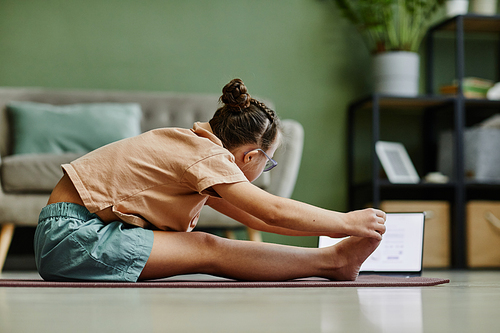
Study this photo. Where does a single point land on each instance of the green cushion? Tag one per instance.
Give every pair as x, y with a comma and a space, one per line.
78, 128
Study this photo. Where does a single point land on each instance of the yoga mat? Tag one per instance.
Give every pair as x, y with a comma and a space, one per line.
361, 281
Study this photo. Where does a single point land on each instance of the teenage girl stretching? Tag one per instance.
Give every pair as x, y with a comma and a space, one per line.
125, 211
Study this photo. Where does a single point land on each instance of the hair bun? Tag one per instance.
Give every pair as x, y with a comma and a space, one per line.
235, 94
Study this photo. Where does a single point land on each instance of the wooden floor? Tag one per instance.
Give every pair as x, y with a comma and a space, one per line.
470, 303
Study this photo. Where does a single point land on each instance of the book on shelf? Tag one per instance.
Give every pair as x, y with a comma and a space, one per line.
472, 87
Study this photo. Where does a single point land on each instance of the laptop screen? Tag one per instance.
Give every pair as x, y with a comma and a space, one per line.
401, 248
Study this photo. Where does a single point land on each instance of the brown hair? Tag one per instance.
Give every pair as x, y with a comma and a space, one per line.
244, 120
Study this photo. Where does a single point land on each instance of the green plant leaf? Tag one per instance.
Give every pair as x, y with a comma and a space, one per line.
390, 25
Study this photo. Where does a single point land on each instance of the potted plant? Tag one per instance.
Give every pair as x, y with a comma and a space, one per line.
393, 31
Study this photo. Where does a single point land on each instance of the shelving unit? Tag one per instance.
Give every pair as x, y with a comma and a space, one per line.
429, 109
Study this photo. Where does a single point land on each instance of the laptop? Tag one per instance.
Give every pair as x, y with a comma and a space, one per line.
401, 251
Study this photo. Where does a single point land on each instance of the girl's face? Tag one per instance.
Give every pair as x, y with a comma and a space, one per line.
252, 161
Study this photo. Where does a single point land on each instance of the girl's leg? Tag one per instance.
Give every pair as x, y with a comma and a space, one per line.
176, 253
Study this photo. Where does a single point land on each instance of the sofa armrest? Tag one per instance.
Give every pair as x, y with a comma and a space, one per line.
288, 156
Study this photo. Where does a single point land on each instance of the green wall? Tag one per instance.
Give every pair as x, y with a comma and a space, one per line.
299, 53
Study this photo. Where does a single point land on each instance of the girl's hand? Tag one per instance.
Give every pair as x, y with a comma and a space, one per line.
368, 222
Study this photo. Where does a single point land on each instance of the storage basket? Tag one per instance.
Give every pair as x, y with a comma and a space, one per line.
483, 234
481, 154
437, 228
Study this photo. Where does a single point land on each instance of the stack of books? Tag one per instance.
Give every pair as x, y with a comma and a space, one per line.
472, 87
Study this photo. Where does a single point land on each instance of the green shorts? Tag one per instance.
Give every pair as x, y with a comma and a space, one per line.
73, 244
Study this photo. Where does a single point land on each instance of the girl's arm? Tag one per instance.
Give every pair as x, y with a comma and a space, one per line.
293, 215
224, 207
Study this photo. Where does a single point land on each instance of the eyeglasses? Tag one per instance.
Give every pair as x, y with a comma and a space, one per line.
270, 164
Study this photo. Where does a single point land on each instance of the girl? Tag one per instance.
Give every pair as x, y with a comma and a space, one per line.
124, 212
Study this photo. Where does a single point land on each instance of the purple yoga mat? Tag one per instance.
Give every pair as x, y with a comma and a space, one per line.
361, 281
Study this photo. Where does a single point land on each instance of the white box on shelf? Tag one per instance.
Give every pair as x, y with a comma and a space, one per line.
481, 154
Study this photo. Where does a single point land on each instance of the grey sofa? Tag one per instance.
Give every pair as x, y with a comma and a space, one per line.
27, 180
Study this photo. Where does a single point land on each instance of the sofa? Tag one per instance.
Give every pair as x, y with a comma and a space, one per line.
28, 176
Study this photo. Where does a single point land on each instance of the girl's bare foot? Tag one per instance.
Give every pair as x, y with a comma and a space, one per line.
348, 255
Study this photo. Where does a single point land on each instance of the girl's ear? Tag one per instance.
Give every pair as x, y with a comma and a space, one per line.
249, 156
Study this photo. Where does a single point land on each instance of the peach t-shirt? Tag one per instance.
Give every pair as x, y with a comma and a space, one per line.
161, 178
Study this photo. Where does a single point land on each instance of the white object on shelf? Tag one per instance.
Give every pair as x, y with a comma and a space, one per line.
396, 163
456, 7
494, 92
436, 178
484, 7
